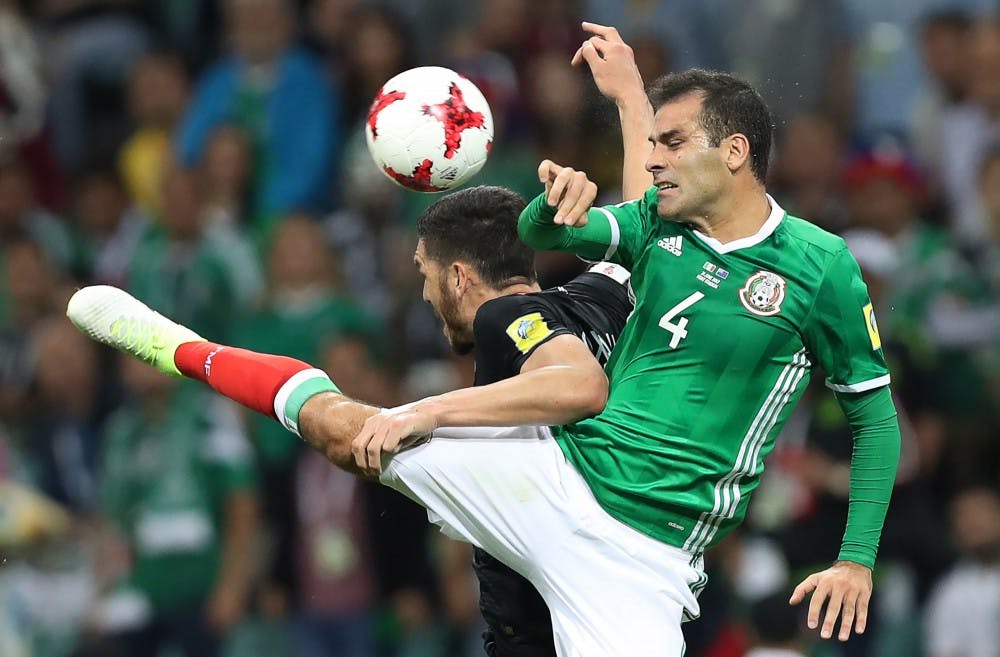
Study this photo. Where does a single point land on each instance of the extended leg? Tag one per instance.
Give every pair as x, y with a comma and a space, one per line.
299, 396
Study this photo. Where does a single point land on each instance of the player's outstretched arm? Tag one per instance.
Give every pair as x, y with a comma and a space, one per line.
612, 64
846, 587
561, 382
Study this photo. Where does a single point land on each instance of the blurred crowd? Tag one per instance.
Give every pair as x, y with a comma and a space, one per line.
210, 158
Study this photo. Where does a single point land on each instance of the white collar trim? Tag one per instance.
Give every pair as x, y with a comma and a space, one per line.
765, 231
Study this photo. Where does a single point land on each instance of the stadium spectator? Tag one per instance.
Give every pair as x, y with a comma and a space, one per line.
107, 228
969, 128
279, 94
21, 215
808, 164
90, 46
157, 96
962, 612
820, 78
227, 170
303, 309
944, 45
62, 434
23, 100
204, 271
178, 487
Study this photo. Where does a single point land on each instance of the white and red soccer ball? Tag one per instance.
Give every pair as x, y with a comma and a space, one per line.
429, 129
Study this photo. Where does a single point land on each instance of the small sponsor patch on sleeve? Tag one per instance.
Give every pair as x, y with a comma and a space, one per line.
872, 325
615, 272
527, 331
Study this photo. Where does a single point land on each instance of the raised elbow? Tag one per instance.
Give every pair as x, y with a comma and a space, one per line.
589, 398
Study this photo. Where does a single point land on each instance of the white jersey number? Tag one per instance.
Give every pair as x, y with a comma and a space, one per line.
678, 331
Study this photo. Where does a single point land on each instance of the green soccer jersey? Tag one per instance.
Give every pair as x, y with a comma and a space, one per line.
719, 349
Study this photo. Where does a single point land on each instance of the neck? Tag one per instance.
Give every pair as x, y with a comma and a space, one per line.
518, 288
486, 293
735, 216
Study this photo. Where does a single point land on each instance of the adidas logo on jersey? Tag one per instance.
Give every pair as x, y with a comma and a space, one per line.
672, 244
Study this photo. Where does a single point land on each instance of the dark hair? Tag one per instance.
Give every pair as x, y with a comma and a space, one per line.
728, 106
950, 18
478, 226
774, 621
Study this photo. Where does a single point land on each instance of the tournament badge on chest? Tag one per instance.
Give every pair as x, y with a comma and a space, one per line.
712, 275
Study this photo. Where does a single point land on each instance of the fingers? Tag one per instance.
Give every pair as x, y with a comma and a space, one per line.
842, 599
836, 600
578, 211
555, 192
606, 32
861, 620
547, 171
805, 587
359, 446
379, 435
847, 612
567, 190
373, 450
590, 53
572, 195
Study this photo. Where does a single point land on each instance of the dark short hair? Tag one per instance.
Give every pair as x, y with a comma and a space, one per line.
729, 106
774, 621
478, 226
955, 19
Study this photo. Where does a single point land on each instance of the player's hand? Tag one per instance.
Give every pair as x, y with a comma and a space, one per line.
611, 63
387, 431
846, 587
569, 191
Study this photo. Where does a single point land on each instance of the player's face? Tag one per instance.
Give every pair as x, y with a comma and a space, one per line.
439, 292
690, 173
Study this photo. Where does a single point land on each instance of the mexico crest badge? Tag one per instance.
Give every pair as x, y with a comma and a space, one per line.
763, 293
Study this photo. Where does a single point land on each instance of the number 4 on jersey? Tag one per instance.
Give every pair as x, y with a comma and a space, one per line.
678, 331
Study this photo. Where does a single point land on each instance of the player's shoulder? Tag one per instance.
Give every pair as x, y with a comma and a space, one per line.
808, 235
497, 314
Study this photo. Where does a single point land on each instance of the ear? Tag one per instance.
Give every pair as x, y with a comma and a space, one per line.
737, 151
463, 277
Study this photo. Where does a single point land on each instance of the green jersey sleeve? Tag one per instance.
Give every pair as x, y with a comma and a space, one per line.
874, 460
616, 233
841, 332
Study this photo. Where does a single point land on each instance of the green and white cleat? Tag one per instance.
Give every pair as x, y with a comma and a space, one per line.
116, 318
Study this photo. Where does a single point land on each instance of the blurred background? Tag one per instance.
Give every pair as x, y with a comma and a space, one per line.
209, 157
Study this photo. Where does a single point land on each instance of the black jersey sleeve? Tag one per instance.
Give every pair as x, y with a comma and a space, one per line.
507, 330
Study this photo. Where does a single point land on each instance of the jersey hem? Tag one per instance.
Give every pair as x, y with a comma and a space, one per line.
863, 386
642, 526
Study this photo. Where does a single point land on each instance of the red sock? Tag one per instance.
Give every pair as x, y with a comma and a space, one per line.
247, 377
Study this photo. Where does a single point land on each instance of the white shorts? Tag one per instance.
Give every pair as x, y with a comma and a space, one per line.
611, 590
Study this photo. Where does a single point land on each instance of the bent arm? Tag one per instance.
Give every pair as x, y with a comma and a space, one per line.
636, 116
872, 417
593, 241
561, 382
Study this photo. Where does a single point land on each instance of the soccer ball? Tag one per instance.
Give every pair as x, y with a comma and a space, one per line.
429, 129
